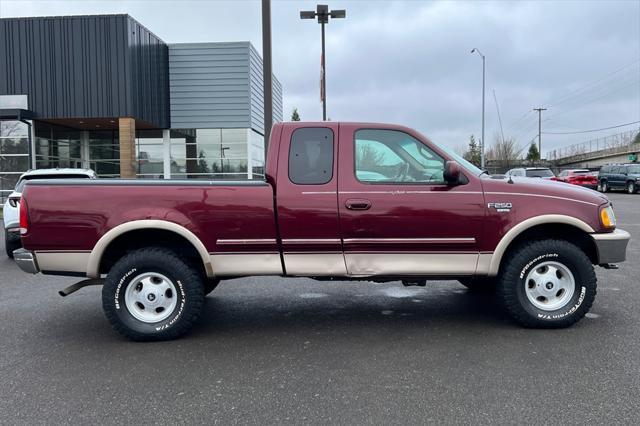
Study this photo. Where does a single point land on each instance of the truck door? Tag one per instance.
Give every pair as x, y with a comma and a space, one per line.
398, 216
307, 201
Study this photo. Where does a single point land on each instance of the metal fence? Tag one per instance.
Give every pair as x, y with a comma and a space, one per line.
612, 144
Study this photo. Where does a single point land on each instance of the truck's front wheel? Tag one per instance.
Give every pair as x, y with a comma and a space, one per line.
547, 284
152, 294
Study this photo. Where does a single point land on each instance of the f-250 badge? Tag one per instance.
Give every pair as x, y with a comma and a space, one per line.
500, 207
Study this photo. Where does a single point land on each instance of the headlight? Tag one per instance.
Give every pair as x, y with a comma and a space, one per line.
607, 217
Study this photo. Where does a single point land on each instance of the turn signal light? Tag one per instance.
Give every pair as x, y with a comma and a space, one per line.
607, 217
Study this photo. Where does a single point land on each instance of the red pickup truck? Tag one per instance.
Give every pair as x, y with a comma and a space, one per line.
348, 201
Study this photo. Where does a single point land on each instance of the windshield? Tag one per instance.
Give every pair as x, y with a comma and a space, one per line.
464, 163
539, 173
635, 169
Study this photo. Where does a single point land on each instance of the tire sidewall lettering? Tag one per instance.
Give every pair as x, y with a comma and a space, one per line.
571, 307
123, 312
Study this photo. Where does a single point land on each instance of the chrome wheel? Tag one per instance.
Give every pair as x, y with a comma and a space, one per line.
151, 297
605, 187
549, 286
631, 187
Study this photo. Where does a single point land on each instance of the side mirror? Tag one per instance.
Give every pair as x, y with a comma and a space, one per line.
452, 172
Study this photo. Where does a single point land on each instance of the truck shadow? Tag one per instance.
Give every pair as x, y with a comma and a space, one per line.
451, 307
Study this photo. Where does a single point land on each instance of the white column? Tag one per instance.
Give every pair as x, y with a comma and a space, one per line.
249, 165
84, 149
166, 153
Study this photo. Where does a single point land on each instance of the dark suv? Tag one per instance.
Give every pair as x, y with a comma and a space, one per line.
619, 176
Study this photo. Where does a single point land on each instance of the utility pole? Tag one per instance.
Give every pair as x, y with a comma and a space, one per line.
540, 129
323, 14
475, 50
267, 73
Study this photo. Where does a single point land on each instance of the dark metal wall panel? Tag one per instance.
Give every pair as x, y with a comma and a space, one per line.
149, 57
85, 67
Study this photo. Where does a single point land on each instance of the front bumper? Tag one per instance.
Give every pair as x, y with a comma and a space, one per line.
612, 246
26, 261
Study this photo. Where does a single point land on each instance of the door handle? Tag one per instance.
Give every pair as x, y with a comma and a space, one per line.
357, 204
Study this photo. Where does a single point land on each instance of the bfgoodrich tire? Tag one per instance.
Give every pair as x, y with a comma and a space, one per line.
152, 294
547, 284
11, 243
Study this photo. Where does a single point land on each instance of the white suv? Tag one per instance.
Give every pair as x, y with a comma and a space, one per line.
11, 208
537, 172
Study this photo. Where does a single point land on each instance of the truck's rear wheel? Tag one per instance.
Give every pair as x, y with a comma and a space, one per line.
547, 284
152, 294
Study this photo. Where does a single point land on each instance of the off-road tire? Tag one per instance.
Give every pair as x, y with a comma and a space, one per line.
210, 284
524, 258
189, 291
11, 244
631, 187
479, 284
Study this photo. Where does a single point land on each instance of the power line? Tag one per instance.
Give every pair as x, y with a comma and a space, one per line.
596, 82
589, 102
591, 130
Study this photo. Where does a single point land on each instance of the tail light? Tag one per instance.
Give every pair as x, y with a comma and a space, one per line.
24, 217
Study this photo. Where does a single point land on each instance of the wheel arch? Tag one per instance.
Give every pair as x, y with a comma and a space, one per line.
554, 225
106, 242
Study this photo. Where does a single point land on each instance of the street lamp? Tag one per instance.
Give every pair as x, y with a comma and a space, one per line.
322, 13
482, 142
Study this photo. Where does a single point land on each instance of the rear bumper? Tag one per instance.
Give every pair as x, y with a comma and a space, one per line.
26, 261
612, 246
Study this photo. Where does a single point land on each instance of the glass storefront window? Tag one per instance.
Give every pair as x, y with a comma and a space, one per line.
14, 155
104, 153
56, 146
210, 154
149, 154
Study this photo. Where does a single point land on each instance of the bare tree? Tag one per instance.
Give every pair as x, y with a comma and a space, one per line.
504, 152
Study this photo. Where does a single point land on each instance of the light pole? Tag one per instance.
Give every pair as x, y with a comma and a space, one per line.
482, 142
322, 13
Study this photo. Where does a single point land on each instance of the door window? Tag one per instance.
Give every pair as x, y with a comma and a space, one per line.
311, 156
391, 156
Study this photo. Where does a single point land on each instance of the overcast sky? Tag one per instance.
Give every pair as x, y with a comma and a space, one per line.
409, 62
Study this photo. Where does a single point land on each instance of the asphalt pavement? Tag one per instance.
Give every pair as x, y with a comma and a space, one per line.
297, 351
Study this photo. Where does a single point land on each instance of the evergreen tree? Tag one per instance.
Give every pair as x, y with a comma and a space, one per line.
533, 154
294, 115
473, 152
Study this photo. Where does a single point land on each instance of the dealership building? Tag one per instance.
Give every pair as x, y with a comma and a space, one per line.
103, 92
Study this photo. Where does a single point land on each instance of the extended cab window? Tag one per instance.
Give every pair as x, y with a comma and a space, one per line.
391, 156
311, 156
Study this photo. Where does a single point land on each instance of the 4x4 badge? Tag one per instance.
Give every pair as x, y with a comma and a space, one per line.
500, 207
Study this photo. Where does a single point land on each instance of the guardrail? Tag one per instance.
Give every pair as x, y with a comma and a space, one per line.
619, 143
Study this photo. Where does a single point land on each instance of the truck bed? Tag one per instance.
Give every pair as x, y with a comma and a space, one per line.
72, 215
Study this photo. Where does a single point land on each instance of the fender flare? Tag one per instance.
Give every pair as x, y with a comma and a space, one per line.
93, 266
547, 219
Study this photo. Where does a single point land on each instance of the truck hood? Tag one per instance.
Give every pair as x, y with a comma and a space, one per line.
535, 186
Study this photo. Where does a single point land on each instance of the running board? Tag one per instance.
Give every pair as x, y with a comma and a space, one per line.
77, 286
